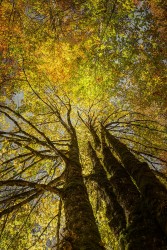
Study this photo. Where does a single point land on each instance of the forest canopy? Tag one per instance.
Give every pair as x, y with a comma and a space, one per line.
83, 131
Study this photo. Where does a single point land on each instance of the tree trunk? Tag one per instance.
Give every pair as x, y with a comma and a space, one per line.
96, 138
142, 230
154, 193
114, 211
81, 229
123, 186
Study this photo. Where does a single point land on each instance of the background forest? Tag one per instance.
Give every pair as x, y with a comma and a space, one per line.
83, 131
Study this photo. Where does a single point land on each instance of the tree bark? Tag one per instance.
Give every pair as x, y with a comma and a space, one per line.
81, 229
123, 186
114, 211
95, 136
142, 230
154, 193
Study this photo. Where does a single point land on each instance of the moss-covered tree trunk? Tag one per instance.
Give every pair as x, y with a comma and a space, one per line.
123, 186
114, 211
142, 230
81, 230
154, 193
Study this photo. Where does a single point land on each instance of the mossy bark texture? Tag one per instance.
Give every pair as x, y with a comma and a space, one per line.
142, 230
82, 231
153, 191
114, 211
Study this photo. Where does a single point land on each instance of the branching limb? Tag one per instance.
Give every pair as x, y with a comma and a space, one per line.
20, 204
23, 183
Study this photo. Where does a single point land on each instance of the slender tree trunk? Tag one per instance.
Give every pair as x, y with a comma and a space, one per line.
114, 211
96, 138
142, 232
154, 193
82, 232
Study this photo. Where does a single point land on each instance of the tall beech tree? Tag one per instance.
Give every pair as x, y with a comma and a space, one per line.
138, 219
80, 222
81, 229
146, 181
142, 229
